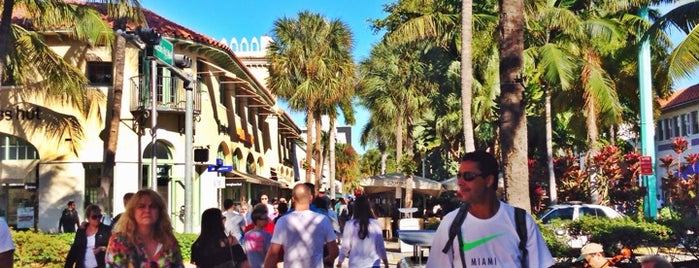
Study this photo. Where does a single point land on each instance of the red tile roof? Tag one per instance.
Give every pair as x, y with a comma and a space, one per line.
680, 97
162, 25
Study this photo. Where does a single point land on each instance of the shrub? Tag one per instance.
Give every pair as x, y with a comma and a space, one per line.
186, 241
38, 249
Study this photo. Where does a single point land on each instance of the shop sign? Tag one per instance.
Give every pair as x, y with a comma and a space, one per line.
25, 217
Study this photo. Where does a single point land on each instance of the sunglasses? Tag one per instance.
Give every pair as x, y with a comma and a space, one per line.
96, 216
468, 176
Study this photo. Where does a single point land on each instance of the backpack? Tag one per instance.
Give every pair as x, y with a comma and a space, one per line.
455, 230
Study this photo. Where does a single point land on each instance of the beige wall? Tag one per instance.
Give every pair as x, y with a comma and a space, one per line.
62, 174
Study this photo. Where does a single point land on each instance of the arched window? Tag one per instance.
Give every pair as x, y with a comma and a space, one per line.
250, 165
237, 158
162, 151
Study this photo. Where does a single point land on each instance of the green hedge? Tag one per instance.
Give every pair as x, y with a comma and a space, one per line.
612, 234
37, 249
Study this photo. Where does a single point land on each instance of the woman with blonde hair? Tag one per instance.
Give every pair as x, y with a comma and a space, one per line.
144, 237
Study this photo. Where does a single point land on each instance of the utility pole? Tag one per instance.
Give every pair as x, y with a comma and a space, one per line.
650, 208
161, 53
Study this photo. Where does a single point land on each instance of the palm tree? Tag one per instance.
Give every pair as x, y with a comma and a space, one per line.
26, 51
395, 87
467, 73
513, 119
411, 20
565, 38
122, 12
683, 61
28, 61
308, 60
378, 131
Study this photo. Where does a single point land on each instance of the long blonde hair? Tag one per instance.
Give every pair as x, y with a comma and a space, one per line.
162, 230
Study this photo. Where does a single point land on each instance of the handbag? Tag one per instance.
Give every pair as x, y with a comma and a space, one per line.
228, 264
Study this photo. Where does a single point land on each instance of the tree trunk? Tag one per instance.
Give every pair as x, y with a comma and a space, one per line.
319, 152
5, 30
549, 148
384, 158
331, 156
309, 143
592, 140
467, 73
409, 184
513, 118
111, 129
399, 140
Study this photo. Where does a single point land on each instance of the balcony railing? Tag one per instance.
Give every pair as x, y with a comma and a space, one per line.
171, 95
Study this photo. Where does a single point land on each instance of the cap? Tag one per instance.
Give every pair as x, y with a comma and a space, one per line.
589, 249
321, 190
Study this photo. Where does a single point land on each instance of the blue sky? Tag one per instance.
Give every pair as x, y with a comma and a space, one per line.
229, 18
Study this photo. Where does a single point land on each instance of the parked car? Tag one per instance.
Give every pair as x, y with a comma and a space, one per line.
574, 211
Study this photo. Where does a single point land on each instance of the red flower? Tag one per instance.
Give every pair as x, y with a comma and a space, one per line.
679, 145
667, 160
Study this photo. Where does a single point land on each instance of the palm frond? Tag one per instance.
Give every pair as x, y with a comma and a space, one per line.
684, 59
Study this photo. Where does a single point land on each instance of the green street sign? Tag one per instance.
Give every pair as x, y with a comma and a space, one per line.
163, 51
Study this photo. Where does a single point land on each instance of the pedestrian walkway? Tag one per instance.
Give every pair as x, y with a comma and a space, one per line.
395, 257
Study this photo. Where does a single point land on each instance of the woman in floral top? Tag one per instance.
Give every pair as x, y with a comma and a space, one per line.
143, 237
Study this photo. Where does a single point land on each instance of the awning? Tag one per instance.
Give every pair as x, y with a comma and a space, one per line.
450, 184
250, 178
389, 182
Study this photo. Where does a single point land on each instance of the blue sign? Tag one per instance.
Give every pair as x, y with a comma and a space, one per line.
214, 168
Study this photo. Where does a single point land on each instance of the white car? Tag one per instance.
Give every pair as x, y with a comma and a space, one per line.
573, 211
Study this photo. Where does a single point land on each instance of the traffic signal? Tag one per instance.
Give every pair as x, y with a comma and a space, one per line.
148, 35
182, 61
201, 155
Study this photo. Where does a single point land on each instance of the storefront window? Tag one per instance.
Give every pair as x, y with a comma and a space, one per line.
18, 198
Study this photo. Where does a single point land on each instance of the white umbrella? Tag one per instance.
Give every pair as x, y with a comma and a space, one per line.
450, 184
389, 182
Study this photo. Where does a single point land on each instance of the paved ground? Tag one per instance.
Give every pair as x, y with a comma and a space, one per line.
394, 256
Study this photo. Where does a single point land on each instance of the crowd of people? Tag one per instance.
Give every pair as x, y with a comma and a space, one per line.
304, 232
313, 231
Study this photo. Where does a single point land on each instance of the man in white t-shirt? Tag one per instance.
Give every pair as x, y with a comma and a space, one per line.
489, 232
7, 247
234, 221
302, 234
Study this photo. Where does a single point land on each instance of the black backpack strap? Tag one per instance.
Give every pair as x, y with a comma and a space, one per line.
455, 229
521, 224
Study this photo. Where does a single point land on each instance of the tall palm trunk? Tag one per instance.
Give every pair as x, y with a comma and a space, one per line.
384, 158
319, 152
5, 28
549, 148
110, 133
513, 118
592, 139
467, 73
309, 143
399, 139
331, 156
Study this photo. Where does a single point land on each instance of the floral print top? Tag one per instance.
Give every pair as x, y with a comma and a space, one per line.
120, 253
